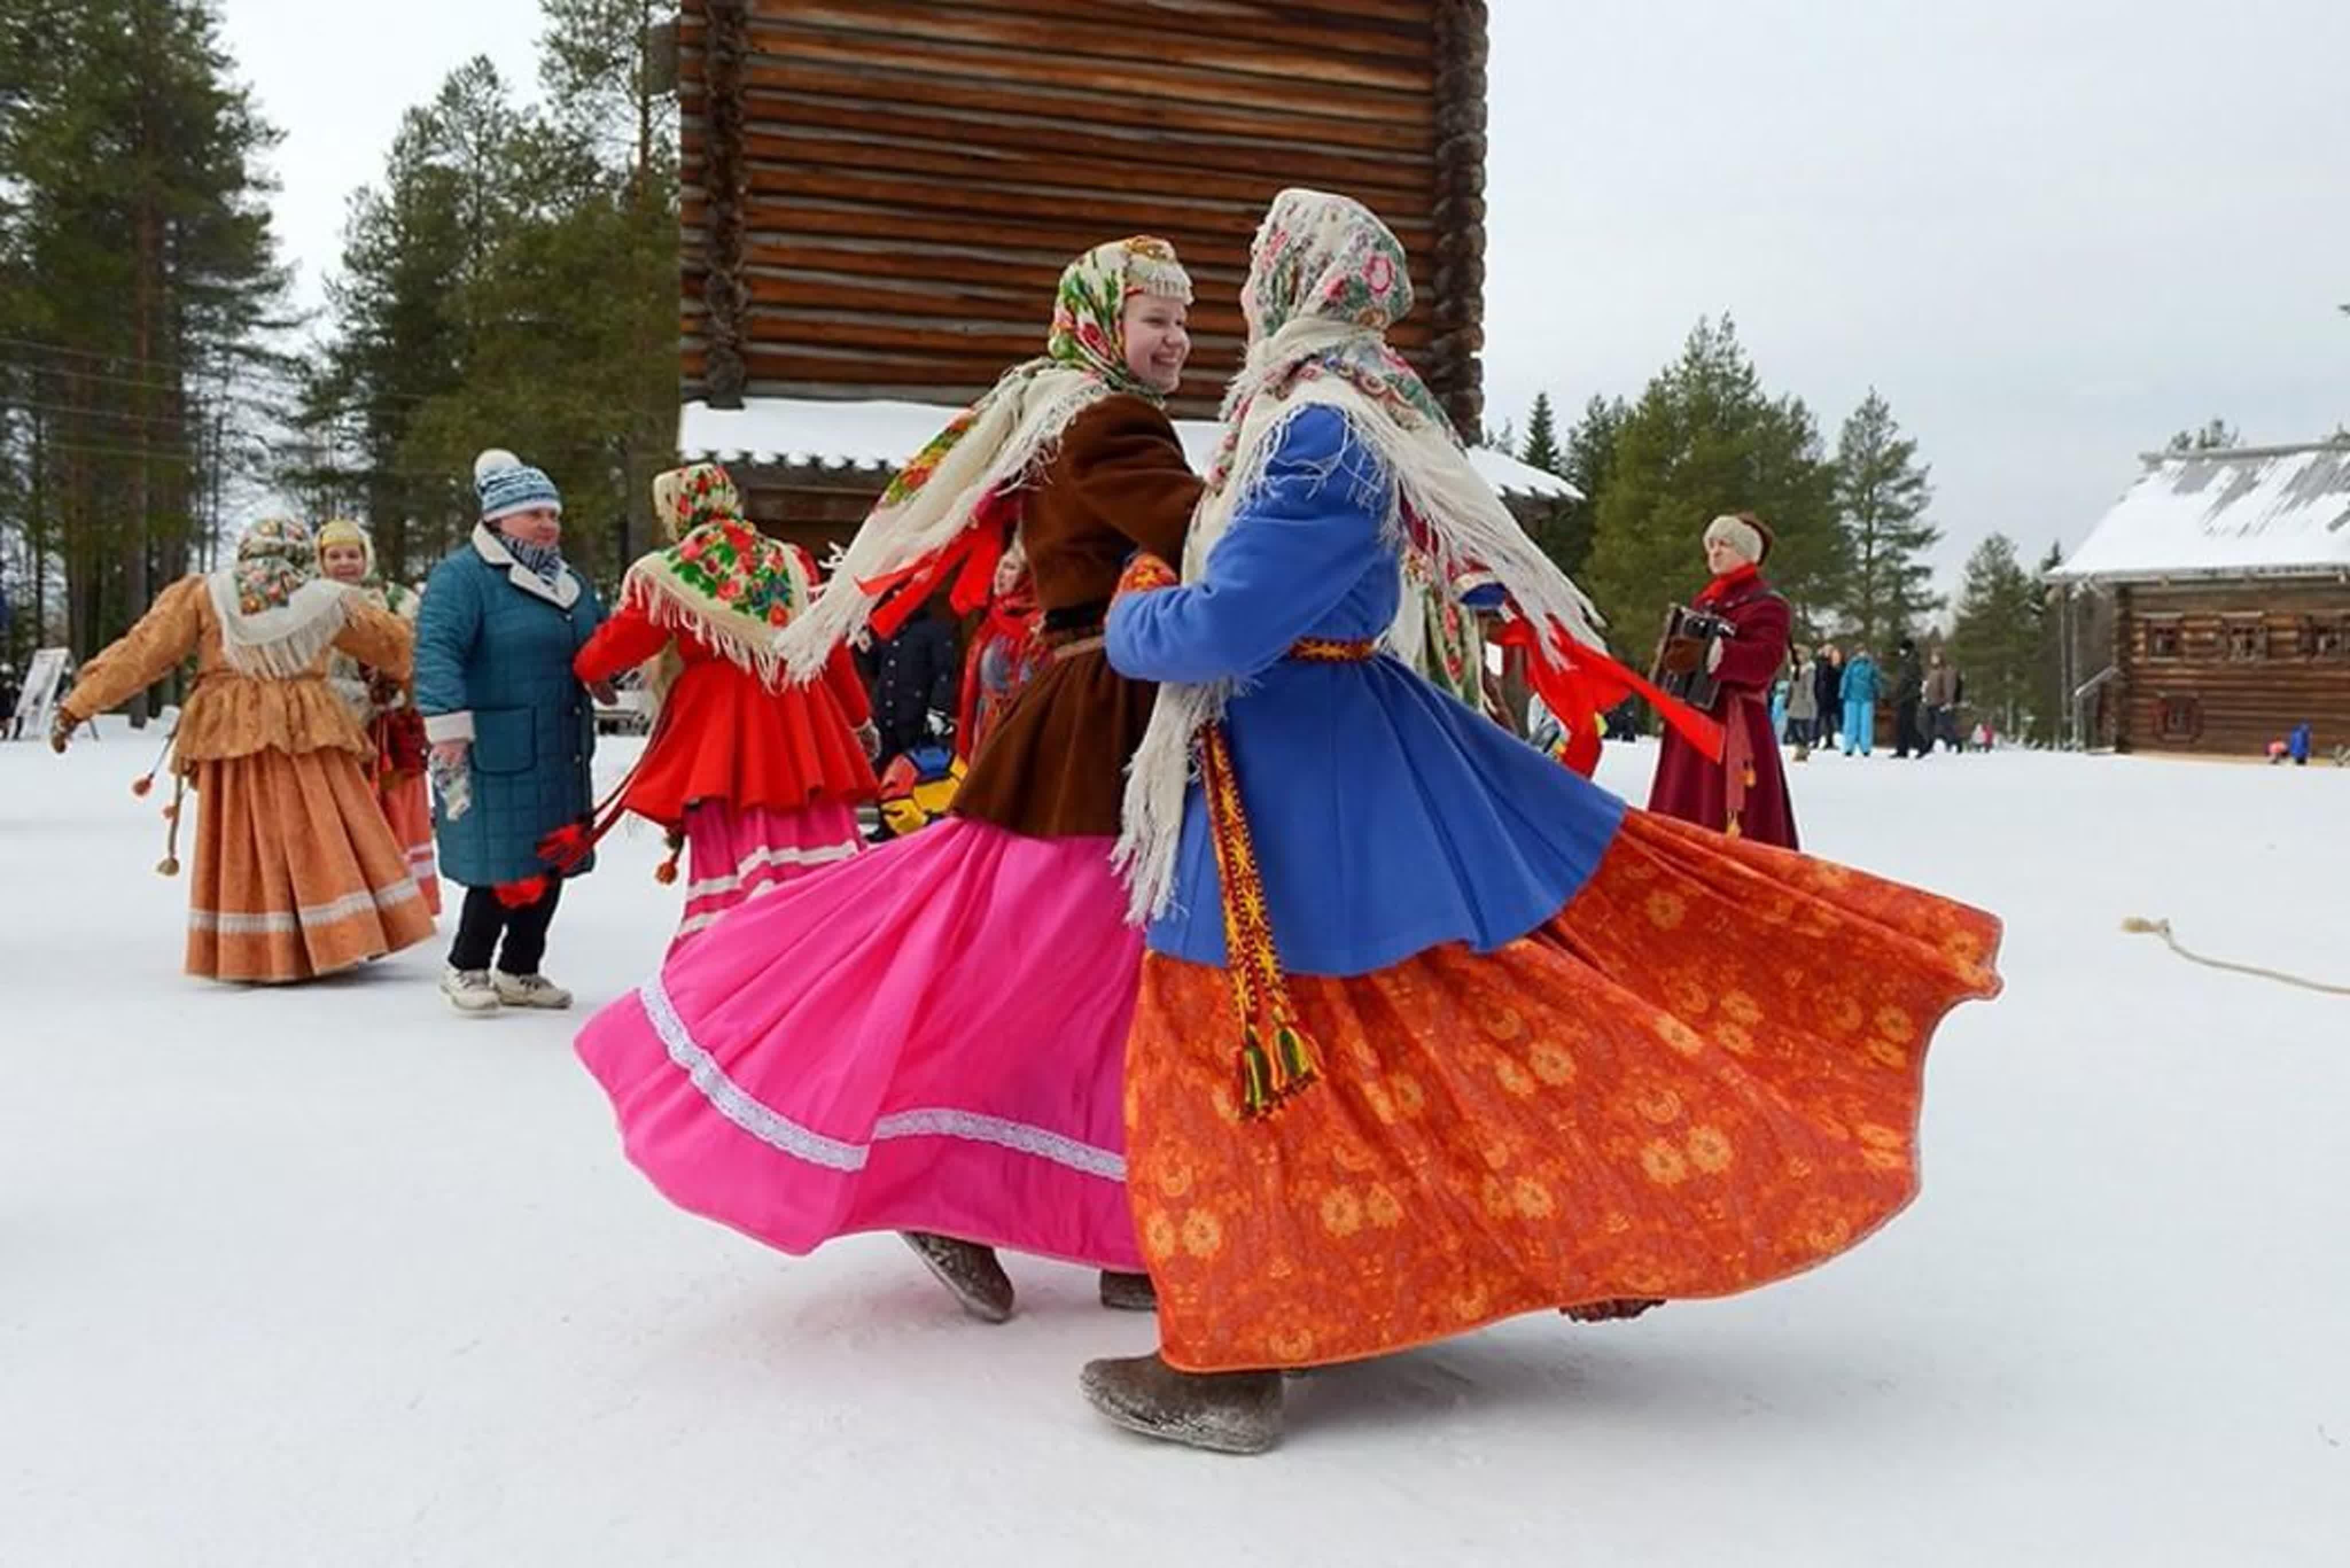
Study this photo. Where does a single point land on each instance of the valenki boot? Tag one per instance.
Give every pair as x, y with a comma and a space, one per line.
1129, 1292
969, 1272
1222, 1412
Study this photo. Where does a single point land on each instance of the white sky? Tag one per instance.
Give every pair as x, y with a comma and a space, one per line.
2050, 231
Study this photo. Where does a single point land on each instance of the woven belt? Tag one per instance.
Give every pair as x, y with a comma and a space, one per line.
1332, 651
1093, 644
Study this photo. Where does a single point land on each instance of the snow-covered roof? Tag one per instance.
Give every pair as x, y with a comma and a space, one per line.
2251, 511
877, 435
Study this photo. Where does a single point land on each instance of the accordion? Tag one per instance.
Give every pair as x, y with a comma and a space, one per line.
1684, 652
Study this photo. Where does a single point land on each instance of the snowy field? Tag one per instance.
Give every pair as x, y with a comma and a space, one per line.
328, 1277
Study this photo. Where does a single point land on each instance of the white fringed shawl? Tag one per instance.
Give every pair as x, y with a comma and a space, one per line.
284, 642
1437, 508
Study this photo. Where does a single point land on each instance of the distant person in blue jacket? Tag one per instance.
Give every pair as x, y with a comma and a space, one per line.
512, 729
1860, 693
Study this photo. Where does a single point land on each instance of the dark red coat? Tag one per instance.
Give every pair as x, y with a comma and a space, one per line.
1690, 787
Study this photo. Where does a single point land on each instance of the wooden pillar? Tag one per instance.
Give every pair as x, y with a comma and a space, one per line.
1457, 283
2125, 617
724, 292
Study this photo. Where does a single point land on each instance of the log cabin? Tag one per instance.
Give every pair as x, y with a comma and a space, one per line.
878, 198
2224, 577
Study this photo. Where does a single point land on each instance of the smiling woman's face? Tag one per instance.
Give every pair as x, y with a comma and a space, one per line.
1158, 340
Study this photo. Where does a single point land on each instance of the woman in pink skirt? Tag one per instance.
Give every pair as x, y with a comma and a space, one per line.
760, 777
930, 1038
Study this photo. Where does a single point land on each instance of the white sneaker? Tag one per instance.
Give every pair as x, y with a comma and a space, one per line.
529, 991
469, 991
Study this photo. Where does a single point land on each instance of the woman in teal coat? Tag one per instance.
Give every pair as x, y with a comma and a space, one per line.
513, 731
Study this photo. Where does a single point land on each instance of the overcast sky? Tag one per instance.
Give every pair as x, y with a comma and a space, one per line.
2050, 231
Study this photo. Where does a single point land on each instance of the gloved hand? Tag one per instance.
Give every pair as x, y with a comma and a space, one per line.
937, 725
868, 735
448, 764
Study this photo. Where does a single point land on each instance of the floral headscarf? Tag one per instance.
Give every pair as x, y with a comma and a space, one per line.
724, 581
1326, 279
916, 534
273, 557
686, 498
276, 615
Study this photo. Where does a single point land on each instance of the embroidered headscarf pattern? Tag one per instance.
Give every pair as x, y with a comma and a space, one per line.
915, 536
722, 579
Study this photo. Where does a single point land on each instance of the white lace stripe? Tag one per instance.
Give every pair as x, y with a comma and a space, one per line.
778, 1131
729, 1099
762, 858
1018, 1137
232, 924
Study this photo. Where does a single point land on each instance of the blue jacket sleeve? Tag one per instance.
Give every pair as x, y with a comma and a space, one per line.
1291, 552
446, 628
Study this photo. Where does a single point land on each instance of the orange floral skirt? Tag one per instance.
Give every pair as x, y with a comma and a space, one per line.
1703, 1076
297, 872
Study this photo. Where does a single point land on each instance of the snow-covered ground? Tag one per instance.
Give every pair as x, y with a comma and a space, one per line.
327, 1277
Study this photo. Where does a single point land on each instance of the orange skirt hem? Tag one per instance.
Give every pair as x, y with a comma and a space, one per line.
1706, 1075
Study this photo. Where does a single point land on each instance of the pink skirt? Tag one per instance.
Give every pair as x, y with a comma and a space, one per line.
931, 1036
736, 855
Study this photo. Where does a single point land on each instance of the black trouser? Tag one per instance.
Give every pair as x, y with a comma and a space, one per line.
1908, 737
484, 920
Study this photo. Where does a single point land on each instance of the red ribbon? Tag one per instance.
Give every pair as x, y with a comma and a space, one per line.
969, 561
1578, 683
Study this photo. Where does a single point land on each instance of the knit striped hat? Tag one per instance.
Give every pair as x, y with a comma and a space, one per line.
507, 485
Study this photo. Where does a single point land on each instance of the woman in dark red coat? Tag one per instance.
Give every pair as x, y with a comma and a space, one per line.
1745, 793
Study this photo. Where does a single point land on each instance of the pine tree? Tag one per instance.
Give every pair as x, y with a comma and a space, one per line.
140, 287
513, 281
1704, 439
1996, 637
1540, 448
1881, 496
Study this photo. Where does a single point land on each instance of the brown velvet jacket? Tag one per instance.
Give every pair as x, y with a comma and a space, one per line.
228, 712
1056, 765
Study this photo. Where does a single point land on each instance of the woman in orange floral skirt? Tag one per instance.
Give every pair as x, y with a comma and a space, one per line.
1433, 1032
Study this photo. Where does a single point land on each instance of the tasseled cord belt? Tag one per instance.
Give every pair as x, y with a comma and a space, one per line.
1277, 1057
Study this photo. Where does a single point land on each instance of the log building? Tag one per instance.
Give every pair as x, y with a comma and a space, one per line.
2220, 584
878, 198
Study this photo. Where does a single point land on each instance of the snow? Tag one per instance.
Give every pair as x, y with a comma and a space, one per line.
330, 1276
2253, 511
880, 434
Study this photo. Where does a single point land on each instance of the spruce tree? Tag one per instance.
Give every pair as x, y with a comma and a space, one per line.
1997, 635
1540, 448
1881, 495
1587, 463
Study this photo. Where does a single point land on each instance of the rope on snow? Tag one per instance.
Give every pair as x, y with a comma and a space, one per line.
2138, 925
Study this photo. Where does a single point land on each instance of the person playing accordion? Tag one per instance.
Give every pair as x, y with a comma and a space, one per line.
1719, 654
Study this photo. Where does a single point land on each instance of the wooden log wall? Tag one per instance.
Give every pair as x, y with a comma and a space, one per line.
2233, 666
879, 195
